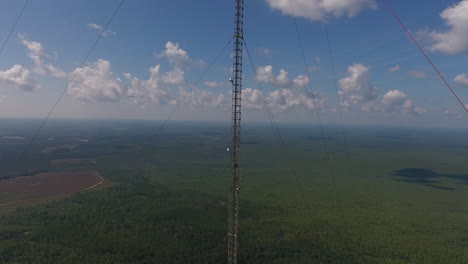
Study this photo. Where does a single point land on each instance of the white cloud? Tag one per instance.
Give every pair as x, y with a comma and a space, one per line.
18, 77
394, 68
301, 81
417, 74
203, 98
420, 110
315, 11
396, 100
95, 26
176, 76
213, 84
394, 97
315, 67
283, 100
265, 74
150, 90
175, 55
2, 97
100, 28
356, 87
370, 107
252, 99
455, 39
357, 90
286, 99
283, 79
97, 82
39, 56
462, 79
266, 52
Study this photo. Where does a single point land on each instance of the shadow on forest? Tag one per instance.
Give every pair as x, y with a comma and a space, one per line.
320, 138
394, 137
428, 177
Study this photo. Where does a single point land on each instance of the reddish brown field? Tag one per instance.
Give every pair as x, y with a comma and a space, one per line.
13, 137
49, 150
43, 185
71, 162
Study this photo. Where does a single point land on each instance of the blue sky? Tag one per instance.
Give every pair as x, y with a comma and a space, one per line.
380, 75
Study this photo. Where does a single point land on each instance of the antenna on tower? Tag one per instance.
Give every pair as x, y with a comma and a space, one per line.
234, 187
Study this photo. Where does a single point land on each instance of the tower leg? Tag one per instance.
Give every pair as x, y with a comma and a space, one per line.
234, 186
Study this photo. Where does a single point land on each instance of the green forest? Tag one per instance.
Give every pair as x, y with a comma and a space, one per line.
165, 201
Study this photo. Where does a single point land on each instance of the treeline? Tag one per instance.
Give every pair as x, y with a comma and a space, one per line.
134, 221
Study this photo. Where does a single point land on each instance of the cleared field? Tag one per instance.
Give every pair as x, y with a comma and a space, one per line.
45, 185
71, 162
13, 137
64, 148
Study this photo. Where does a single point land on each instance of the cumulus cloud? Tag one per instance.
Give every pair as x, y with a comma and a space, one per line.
417, 74
213, 84
252, 98
175, 55
315, 11
265, 74
394, 97
462, 79
40, 58
283, 79
97, 82
301, 81
150, 90
266, 52
394, 69
396, 100
315, 67
370, 107
176, 76
284, 99
420, 110
100, 28
198, 97
357, 90
356, 87
95, 26
455, 39
18, 77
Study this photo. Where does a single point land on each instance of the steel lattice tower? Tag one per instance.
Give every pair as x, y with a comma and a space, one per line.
234, 187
